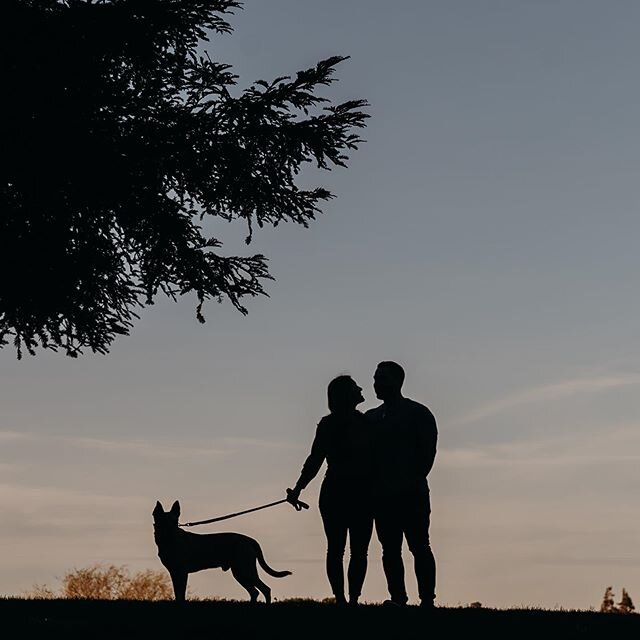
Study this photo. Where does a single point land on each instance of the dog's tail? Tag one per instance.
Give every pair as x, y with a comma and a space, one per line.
263, 563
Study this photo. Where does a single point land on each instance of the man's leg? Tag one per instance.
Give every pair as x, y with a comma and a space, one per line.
416, 527
389, 532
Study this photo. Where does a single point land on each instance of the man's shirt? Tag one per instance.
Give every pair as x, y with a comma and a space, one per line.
404, 446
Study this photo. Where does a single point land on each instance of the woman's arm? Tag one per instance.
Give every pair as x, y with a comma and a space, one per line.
313, 462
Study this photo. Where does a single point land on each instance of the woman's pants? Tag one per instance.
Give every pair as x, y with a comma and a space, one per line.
342, 516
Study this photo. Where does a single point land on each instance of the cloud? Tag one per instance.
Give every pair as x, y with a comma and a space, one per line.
144, 448
545, 393
39, 510
613, 445
15, 436
262, 443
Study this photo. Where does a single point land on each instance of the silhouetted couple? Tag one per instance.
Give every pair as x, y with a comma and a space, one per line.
377, 467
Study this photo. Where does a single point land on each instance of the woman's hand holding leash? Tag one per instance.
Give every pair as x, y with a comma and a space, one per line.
293, 499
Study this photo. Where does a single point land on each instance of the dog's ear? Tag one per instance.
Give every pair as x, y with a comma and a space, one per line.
158, 509
175, 509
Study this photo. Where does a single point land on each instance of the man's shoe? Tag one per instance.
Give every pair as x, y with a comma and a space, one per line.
393, 603
427, 605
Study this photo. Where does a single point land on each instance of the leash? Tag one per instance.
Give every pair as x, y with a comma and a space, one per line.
298, 505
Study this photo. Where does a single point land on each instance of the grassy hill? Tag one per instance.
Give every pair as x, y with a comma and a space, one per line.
295, 620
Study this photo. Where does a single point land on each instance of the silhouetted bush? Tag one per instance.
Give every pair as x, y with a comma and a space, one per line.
609, 606
608, 602
109, 583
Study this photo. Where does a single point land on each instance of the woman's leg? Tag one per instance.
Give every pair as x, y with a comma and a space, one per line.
360, 531
335, 528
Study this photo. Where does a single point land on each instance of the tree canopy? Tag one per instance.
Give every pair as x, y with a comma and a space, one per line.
121, 139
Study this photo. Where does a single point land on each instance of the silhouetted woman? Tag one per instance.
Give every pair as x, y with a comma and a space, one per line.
342, 440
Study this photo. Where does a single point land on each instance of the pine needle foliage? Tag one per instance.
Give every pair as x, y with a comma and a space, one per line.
123, 140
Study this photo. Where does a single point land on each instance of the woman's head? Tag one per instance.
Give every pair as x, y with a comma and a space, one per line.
343, 394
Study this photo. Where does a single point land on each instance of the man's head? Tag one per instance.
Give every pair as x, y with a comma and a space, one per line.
387, 380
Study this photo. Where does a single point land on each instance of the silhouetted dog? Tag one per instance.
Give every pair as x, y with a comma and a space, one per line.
183, 553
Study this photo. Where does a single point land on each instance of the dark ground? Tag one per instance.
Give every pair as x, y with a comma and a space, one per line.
295, 620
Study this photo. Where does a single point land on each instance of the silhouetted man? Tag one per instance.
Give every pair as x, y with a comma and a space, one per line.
405, 436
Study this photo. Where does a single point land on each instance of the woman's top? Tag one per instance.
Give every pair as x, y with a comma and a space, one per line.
343, 441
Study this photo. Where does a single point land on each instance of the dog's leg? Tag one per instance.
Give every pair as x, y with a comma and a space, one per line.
179, 580
246, 580
266, 592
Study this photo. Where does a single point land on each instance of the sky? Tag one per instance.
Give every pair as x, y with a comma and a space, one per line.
484, 236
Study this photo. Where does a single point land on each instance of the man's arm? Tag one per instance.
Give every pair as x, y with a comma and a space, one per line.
427, 439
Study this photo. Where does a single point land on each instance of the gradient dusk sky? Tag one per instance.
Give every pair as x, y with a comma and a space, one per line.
485, 237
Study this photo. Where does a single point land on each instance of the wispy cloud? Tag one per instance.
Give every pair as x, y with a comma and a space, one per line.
145, 448
618, 444
15, 436
37, 497
261, 442
545, 393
